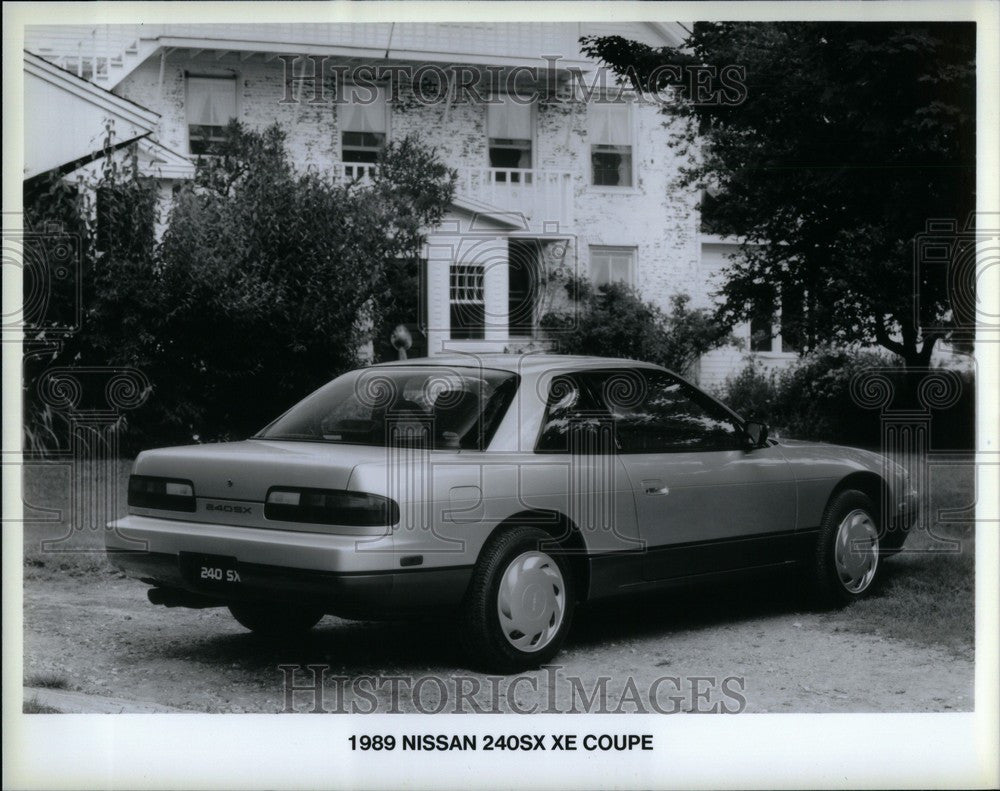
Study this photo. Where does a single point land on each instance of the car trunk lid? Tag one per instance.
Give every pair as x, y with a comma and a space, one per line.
231, 480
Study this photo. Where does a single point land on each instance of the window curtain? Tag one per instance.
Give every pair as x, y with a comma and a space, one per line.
508, 120
211, 101
609, 124
360, 115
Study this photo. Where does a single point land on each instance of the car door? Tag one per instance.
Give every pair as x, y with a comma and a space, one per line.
577, 435
706, 501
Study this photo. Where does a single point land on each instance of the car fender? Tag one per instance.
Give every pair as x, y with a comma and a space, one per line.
821, 470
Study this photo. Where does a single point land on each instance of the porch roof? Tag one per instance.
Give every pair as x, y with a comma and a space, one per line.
476, 209
65, 117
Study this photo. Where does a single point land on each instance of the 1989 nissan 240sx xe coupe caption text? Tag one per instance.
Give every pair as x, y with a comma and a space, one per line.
503, 490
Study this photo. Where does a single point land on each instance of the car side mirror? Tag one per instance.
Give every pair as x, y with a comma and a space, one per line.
757, 433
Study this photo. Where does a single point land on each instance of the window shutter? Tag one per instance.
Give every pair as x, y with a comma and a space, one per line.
358, 116
508, 120
211, 101
610, 124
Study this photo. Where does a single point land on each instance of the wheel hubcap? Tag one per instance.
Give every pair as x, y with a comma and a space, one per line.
856, 551
531, 601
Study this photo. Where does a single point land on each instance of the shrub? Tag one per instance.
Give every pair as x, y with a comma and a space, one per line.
614, 321
813, 399
814, 396
112, 241
753, 392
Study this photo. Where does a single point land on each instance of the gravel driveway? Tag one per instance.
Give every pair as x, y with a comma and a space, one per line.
100, 636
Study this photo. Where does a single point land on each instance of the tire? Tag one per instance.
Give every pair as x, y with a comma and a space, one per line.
519, 605
841, 576
275, 619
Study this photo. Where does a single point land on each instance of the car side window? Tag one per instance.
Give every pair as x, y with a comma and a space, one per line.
575, 421
655, 412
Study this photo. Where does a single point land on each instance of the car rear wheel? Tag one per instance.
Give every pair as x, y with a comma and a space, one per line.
274, 619
519, 605
848, 561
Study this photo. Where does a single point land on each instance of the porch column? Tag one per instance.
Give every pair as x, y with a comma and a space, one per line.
440, 252
492, 254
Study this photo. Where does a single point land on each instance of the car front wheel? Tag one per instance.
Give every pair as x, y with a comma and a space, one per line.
273, 619
519, 605
847, 552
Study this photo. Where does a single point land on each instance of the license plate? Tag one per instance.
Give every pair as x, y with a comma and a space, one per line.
211, 570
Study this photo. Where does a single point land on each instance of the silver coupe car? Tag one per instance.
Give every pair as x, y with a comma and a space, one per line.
503, 490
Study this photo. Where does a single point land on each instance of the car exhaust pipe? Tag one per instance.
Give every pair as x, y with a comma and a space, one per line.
173, 597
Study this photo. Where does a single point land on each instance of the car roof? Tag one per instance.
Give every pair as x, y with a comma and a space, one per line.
519, 363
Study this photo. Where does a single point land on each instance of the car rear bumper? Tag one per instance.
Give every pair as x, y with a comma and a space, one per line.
343, 575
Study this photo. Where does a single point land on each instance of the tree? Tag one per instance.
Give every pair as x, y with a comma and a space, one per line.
283, 276
266, 284
848, 138
613, 321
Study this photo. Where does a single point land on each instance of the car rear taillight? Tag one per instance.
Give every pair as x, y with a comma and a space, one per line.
330, 507
165, 494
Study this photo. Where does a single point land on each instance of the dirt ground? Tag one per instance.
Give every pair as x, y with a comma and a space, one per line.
100, 636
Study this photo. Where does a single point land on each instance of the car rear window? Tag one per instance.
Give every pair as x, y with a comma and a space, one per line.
427, 406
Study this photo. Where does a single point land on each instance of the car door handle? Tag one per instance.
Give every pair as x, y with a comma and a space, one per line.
657, 490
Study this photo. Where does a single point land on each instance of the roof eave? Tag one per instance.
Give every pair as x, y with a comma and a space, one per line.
128, 110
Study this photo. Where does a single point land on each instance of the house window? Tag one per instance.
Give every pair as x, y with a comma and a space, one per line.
762, 329
364, 125
211, 105
777, 328
509, 129
791, 320
612, 265
468, 307
610, 135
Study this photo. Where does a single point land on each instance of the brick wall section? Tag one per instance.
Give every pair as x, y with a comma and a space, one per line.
655, 217
260, 88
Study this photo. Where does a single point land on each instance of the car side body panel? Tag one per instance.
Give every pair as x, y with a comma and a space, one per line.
708, 497
454, 503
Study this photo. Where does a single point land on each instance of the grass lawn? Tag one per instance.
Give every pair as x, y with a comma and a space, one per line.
59, 537
927, 595
926, 598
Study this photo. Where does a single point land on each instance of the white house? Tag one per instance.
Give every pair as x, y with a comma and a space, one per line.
553, 174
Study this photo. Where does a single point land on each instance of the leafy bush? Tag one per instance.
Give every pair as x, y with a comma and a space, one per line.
614, 321
813, 399
108, 225
752, 392
267, 281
